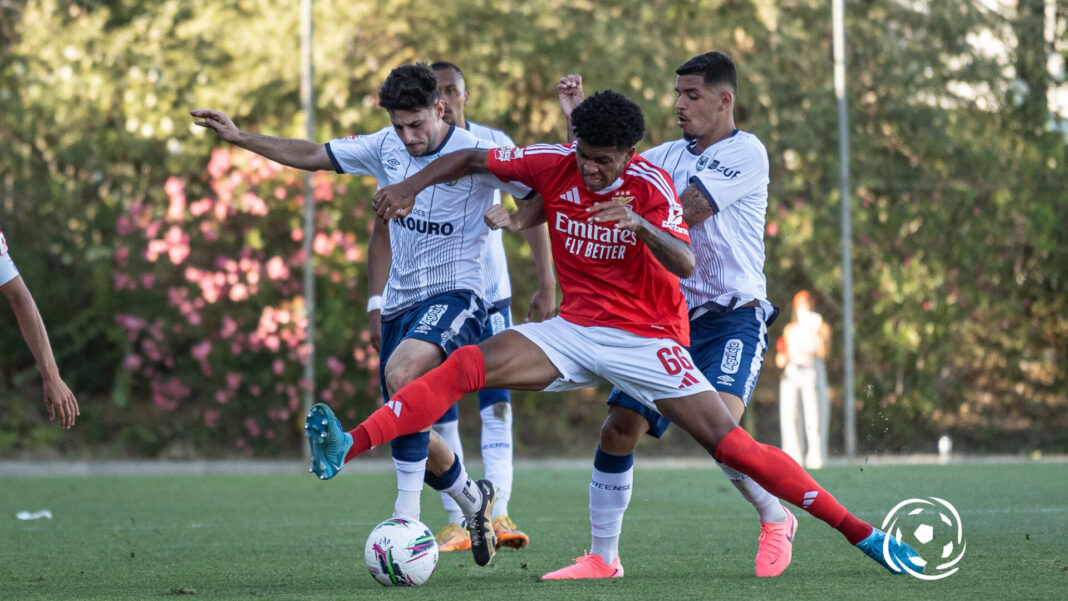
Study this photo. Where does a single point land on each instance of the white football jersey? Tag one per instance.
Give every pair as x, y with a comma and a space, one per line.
728, 246
494, 263
8, 271
436, 247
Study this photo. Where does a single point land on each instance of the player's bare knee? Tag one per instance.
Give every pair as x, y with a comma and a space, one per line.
621, 432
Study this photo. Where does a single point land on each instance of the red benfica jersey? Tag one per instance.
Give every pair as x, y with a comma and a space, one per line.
608, 276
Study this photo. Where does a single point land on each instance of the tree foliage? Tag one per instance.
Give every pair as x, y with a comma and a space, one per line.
957, 199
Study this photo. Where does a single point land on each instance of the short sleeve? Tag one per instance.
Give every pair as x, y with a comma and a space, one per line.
358, 155
8, 271
731, 174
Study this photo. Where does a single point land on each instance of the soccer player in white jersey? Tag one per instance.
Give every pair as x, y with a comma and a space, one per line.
495, 408
58, 398
721, 175
619, 247
433, 302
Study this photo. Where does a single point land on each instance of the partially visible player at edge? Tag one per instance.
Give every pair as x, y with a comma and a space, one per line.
495, 408
619, 246
721, 176
59, 400
433, 299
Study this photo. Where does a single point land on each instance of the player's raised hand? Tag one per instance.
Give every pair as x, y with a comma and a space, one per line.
569, 90
498, 218
60, 401
218, 122
394, 202
615, 211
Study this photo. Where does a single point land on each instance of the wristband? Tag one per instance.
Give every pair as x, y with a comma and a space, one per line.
374, 303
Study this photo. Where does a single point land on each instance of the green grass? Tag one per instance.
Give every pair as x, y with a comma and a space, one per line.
686, 536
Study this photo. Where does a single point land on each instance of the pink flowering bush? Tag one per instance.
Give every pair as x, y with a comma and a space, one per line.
214, 311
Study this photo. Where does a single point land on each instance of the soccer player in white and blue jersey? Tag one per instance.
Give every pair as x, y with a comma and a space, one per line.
721, 175
433, 302
494, 404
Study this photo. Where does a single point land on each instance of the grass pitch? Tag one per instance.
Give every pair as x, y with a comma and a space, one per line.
687, 535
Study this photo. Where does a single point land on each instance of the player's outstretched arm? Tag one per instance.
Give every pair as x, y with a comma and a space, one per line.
674, 254
392, 202
301, 154
58, 398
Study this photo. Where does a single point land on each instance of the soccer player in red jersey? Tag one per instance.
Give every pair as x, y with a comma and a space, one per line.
619, 246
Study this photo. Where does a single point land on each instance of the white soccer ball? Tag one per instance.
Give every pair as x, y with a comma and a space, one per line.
401, 552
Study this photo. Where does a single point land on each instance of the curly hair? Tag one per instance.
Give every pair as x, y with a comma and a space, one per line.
409, 88
608, 119
714, 67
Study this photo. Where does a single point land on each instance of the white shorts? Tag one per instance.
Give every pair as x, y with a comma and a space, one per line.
647, 369
7, 266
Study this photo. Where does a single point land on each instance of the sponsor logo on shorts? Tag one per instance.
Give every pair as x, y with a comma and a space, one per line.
430, 318
496, 323
724, 380
732, 356
688, 380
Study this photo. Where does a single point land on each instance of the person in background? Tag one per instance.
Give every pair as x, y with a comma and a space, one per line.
800, 353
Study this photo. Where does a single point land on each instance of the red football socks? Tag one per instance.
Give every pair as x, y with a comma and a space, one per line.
422, 401
783, 477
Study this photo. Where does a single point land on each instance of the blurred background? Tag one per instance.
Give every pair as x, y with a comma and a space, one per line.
168, 267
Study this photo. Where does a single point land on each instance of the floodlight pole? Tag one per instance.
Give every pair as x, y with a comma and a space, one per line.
307, 96
849, 402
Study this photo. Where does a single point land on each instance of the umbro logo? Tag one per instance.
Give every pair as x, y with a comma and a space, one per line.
392, 163
572, 195
394, 406
687, 381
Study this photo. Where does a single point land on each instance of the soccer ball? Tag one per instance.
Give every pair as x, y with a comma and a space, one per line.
401, 552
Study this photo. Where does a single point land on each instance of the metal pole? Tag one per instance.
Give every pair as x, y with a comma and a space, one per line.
307, 95
849, 402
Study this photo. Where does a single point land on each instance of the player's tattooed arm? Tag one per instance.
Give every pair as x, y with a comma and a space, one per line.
675, 255
695, 205
395, 201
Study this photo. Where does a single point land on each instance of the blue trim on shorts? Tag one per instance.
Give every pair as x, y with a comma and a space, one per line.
432, 320
498, 320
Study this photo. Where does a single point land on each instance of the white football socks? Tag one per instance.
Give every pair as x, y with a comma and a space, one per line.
609, 497
497, 454
767, 505
409, 488
450, 431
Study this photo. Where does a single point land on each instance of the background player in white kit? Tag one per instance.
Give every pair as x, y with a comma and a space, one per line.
495, 408
721, 175
433, 299
58, 398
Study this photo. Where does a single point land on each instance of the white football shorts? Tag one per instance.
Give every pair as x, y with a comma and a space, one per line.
7, 266
647, 369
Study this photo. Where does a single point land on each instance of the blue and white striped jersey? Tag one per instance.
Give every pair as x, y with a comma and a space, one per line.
729, 246
436, 248
494, 263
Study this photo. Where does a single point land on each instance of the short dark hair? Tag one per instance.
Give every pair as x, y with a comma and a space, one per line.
608, 119
714, 67
409, 88
443, 65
